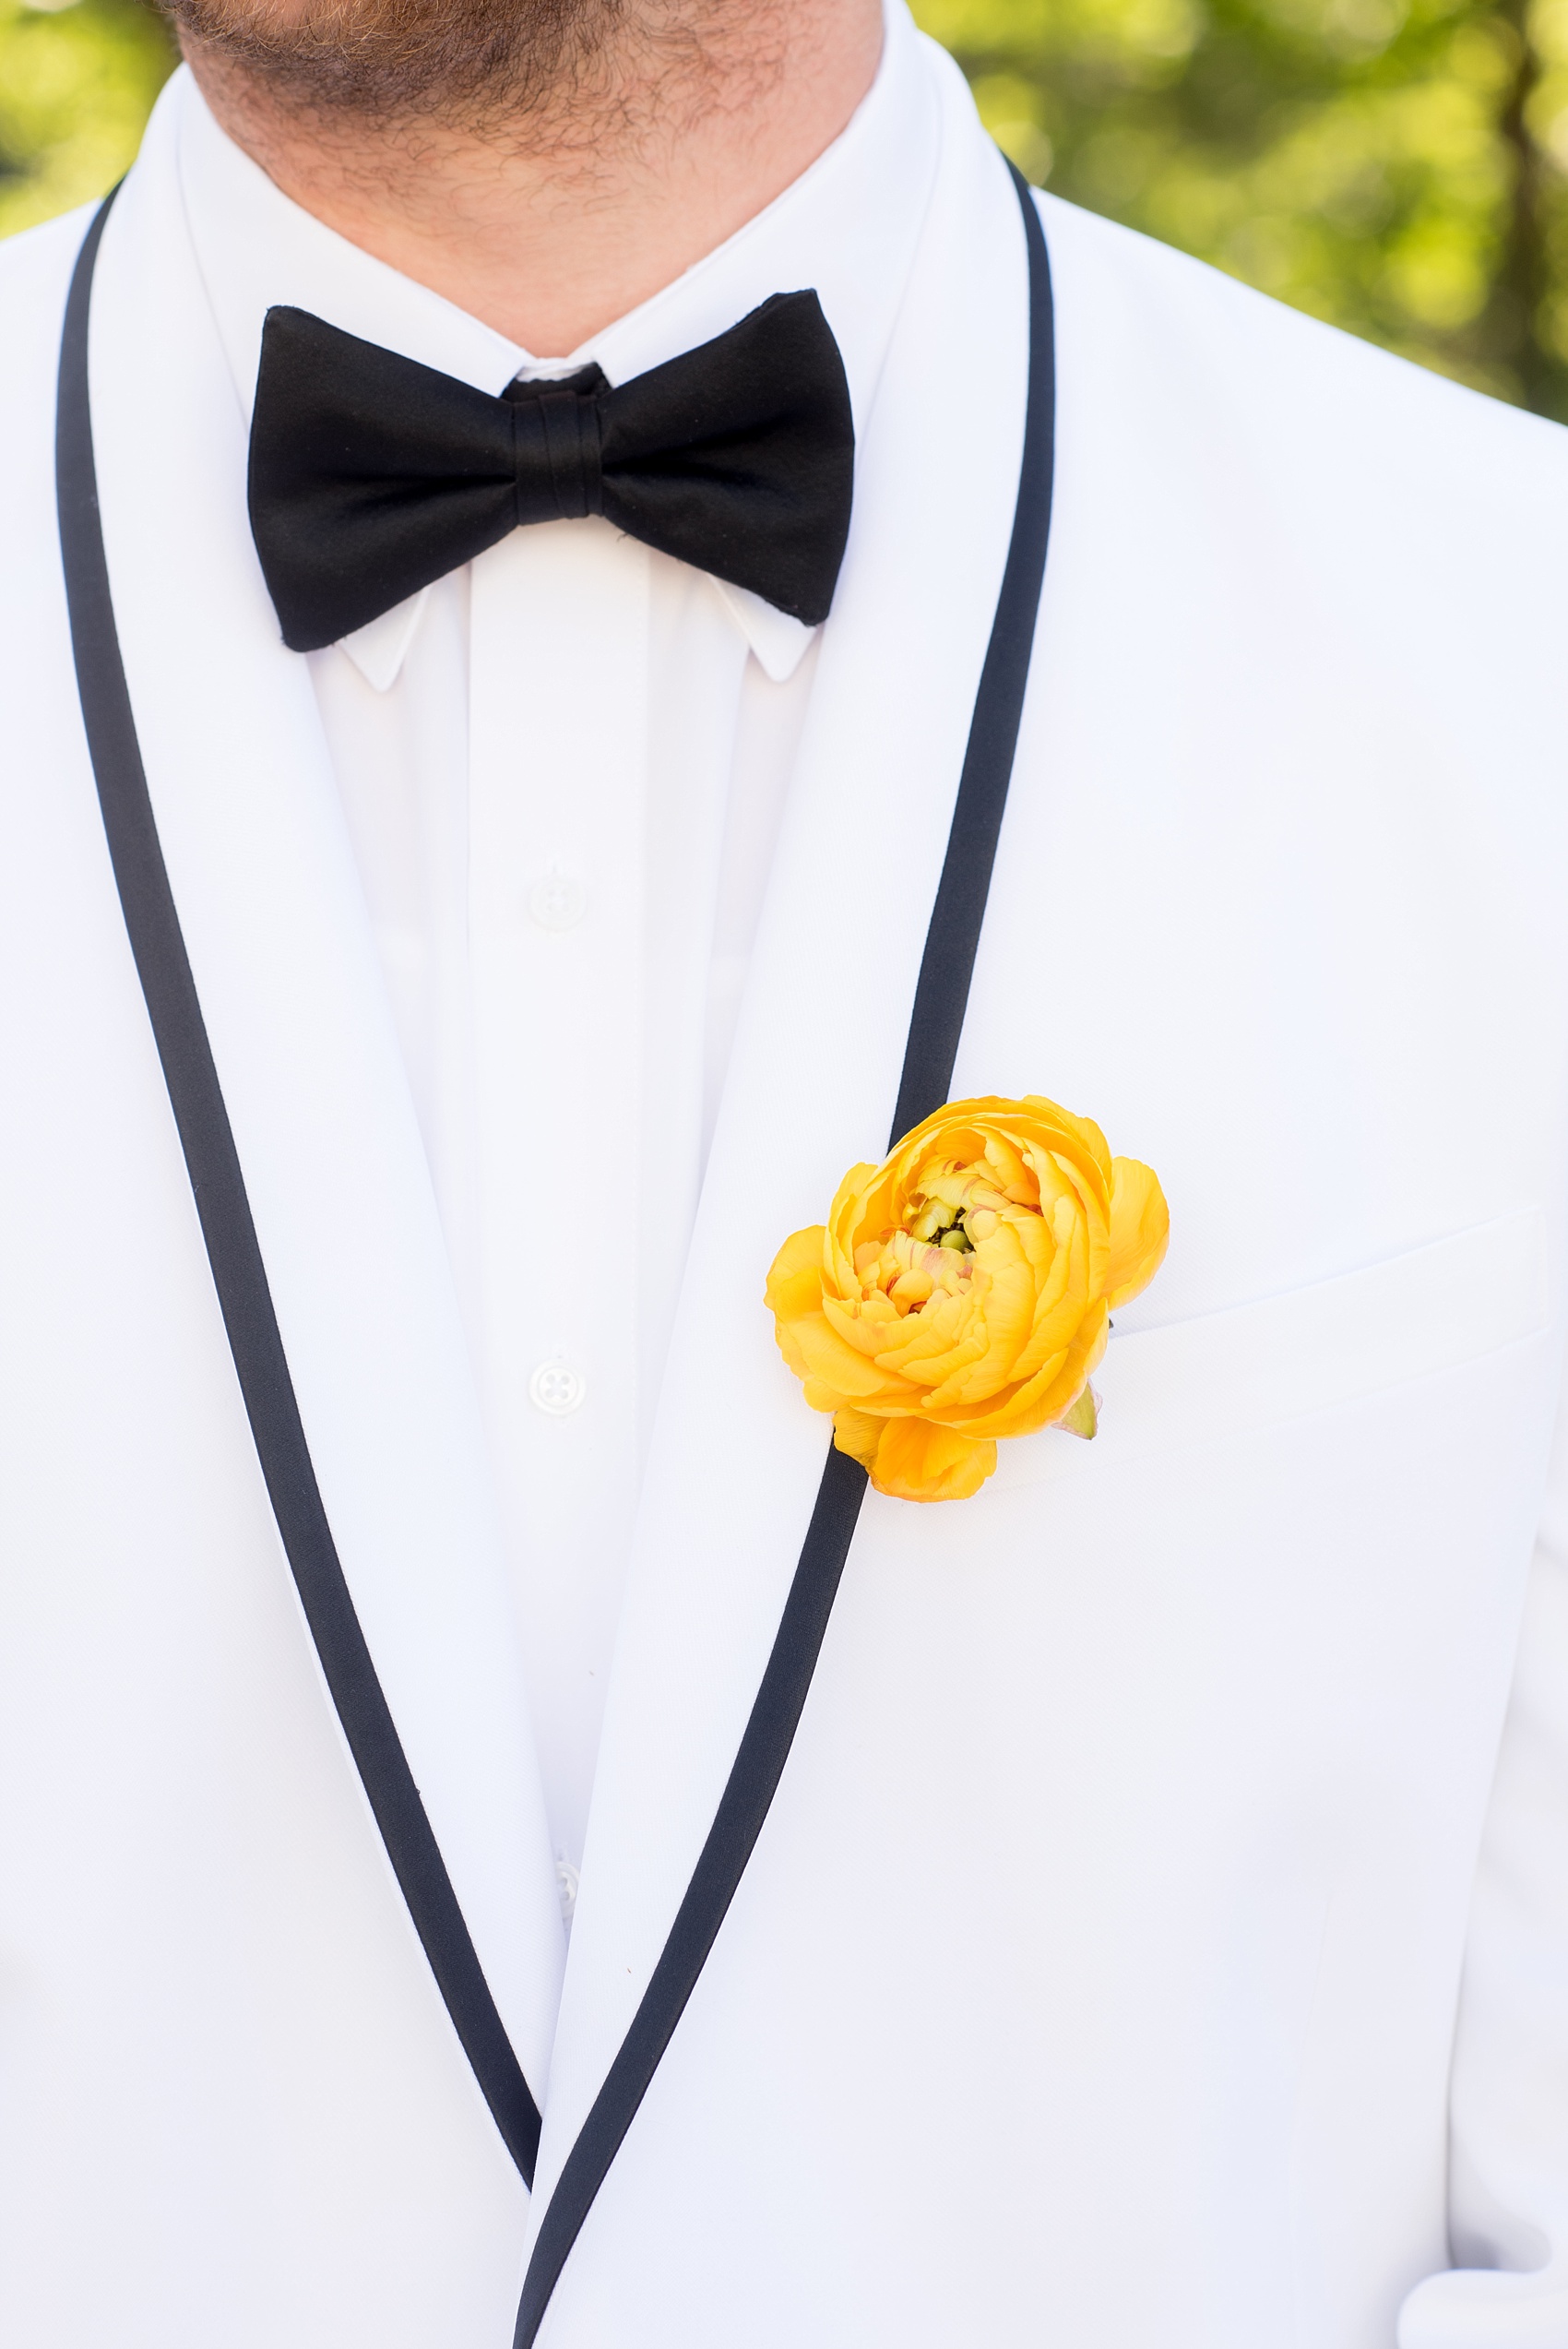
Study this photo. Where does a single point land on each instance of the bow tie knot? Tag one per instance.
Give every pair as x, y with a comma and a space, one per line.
558, 446
372, 475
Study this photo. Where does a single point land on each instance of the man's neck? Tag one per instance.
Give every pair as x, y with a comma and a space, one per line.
549, 226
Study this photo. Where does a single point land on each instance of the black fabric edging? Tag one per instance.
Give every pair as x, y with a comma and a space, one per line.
238, 1272
941, 996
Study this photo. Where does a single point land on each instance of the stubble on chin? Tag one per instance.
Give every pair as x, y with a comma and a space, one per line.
514, 73
466, 62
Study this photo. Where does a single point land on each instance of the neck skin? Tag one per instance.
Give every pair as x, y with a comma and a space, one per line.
550, 227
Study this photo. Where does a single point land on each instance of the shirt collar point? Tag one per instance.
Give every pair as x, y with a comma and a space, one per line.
777, 641
379, 649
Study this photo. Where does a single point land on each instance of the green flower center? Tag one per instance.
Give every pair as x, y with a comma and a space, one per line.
945, 1223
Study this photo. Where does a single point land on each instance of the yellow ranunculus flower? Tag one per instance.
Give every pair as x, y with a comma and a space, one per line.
963, 1289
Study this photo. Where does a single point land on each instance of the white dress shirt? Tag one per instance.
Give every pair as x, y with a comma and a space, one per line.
561, 769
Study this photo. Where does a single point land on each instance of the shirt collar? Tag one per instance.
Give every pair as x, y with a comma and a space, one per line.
847, 226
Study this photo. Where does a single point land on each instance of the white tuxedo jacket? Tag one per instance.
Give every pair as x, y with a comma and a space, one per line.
1160, 1934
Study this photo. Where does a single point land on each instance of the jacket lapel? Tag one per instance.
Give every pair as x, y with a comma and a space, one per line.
737, 1458
278, 940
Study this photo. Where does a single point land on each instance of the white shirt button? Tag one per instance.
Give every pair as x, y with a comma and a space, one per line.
556, 1387
558, 901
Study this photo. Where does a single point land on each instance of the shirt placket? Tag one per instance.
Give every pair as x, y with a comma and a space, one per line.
558, 755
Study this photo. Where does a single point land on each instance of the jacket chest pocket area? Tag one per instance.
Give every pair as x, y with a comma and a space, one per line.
1334, 1342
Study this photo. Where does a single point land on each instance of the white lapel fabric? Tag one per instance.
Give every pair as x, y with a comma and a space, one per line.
274, 925
735, 1460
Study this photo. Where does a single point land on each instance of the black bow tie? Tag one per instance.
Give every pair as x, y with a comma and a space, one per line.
370, 475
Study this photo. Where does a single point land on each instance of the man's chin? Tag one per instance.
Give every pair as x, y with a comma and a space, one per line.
469, 59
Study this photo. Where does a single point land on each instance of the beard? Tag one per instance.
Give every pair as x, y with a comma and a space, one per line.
473, 66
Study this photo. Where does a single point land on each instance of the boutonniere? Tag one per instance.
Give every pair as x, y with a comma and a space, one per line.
962, 1290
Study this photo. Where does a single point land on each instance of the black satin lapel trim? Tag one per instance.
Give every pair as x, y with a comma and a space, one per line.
744, 1805
941, 991
941, 997
238, 1272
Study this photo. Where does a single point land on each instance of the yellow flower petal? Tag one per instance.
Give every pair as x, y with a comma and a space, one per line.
915, 1461
857, 1433
794, 1284
837, 1365
1140, 1231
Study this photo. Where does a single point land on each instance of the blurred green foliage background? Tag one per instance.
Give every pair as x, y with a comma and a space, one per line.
76, 83
1397, 166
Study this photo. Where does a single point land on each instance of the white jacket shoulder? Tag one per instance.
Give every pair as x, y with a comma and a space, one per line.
35, 272
1283, 374
1200, 424
35, 275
